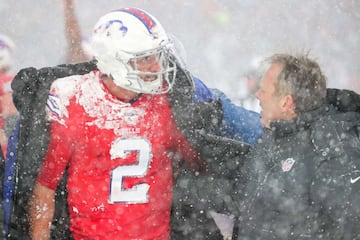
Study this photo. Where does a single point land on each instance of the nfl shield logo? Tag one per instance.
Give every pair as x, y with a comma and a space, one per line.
287, 164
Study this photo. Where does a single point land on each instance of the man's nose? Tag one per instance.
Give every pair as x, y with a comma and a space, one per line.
155, 66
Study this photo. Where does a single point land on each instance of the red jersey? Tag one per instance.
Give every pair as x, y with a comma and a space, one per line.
119, 156
5, 87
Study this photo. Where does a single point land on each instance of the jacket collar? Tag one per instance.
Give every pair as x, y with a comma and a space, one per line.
300, 123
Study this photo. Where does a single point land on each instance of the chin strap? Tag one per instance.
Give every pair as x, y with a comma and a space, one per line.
132, 101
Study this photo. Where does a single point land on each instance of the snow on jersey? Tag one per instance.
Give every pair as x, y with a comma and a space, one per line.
120, 176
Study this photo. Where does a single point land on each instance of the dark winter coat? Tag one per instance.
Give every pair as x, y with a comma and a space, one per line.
301, 181
195, 194
31, 87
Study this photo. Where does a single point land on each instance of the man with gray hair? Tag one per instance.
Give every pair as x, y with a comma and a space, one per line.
301, 180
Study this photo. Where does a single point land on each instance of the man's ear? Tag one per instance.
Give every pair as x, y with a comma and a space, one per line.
287, 104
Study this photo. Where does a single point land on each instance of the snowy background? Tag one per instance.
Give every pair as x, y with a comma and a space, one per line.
222, 39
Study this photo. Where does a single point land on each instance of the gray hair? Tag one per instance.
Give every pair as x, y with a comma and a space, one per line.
302, 78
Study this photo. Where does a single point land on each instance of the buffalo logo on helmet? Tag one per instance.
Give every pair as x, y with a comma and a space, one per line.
111, 24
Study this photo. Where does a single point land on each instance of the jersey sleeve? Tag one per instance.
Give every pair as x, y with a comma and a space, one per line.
58, 100
60, 145
56, 158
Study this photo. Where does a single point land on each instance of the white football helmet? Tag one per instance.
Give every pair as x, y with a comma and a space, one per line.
7, 47
129, 35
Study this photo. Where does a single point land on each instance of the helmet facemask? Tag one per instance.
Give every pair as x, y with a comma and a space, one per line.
142, 80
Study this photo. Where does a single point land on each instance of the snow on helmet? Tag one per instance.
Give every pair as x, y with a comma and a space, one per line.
7, 48
121, 38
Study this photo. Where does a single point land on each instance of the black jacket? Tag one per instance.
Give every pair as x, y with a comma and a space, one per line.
196, 193
31, 87
217, 188
301, 180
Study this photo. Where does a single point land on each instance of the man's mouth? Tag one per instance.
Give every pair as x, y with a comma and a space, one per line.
150, 78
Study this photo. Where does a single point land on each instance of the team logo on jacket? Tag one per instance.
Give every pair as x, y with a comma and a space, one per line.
287, 164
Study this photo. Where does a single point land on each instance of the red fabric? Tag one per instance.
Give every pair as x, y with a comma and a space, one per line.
4, 150
5, 83
5, 86
134, 153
